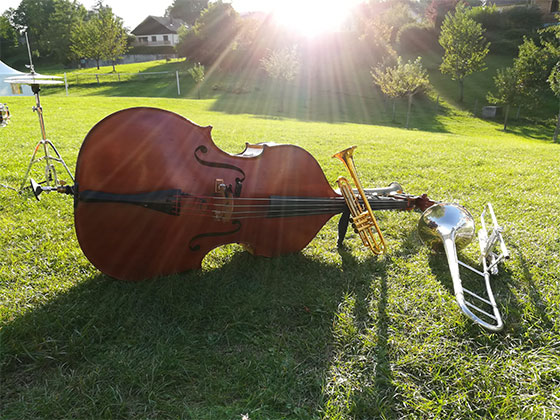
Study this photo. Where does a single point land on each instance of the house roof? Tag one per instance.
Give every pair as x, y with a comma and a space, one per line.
155, 25
504, 2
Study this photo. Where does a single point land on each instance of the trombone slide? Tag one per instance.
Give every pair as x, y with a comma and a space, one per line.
469, 302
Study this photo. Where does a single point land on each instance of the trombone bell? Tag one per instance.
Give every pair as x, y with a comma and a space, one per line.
446, 220
363, 220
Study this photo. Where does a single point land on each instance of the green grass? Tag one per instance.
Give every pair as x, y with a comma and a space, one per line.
320, 334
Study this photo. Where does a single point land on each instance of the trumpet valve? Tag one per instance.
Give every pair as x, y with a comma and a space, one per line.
362, 221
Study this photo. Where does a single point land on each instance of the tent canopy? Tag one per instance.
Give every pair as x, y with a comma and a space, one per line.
6, 89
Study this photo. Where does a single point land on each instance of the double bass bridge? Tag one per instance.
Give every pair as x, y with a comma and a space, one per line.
224, 203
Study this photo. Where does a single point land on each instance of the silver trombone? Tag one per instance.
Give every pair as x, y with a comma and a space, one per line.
451, 227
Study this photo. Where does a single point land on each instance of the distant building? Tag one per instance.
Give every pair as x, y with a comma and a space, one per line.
155, 31
546, 6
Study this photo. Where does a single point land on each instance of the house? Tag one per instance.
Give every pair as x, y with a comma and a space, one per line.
547, 6
155, 31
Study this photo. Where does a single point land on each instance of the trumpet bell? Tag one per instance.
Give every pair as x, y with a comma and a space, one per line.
446, 220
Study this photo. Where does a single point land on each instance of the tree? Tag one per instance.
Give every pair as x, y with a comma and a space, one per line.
64, 17
508, 90
402, 80
465, 46
115, 39
8, 35
533, 65
48, 24
554, 82
375, 32
86, 41
212, 36
281, 65
438, 9
197, 74
187, 10
552, 50
102, 36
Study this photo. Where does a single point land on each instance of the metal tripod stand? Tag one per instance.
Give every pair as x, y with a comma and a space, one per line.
51, 176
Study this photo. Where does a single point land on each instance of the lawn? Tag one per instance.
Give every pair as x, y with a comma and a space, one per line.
320, 334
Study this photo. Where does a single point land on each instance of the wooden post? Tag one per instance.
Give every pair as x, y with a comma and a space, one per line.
178, 85
66, 83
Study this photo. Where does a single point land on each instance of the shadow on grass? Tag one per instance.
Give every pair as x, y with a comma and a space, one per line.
252, 336
322, 104
512, 309
333, 101
473, 282
532, 130
138, 86
361, 383
537, 302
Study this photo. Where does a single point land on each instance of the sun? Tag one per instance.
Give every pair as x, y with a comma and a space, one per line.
312, 17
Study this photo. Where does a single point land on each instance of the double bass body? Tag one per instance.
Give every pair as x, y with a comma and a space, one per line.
155, 195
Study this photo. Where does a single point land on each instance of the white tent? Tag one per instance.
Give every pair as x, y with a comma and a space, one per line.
6, 89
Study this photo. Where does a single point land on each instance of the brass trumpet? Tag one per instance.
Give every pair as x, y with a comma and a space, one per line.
363, 220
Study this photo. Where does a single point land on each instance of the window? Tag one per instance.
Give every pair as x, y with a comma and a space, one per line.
554, 6
154, 38
166, 38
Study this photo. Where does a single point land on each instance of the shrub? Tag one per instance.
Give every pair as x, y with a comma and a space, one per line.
505, 46
521, 17
417, 38
515, 34
506, 42
489, 17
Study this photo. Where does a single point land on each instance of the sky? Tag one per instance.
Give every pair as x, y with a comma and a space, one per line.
134, 11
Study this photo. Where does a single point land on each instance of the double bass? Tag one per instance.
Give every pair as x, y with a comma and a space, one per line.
153, 195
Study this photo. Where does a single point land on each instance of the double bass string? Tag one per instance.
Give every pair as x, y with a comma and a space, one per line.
245, 208
250, 208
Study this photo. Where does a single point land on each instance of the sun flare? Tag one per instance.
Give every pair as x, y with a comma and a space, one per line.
312, 17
